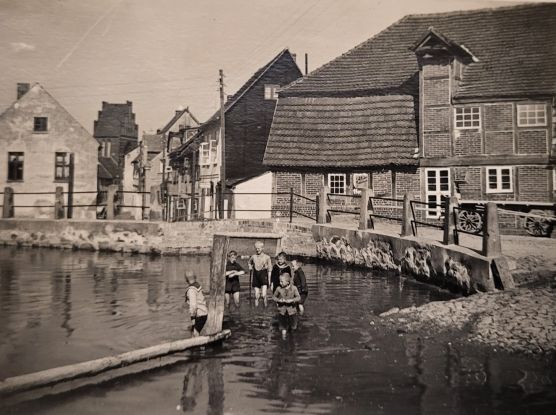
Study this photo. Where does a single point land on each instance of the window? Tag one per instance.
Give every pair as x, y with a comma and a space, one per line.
271, 91
438, 185
531, 114
15, 166
337, 184
213, 151
499, 180
468, 117
105, 149
204, 154
62, 166
40, 124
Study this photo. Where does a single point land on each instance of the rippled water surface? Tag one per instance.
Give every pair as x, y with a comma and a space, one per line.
62, 307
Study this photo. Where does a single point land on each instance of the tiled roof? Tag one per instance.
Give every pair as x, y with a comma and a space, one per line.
115, 120
514, 45
343, 132
153, 142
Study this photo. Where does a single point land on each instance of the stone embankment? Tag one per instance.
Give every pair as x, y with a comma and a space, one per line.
520, 320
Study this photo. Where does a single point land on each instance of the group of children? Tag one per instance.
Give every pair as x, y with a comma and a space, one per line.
288, 295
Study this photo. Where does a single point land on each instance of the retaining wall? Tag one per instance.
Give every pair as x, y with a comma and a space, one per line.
178, 238
448, 266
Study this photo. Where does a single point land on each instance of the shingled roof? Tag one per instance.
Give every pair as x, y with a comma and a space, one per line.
343, 132
514, 46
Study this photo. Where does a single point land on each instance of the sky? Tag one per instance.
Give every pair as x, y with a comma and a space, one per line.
164, 55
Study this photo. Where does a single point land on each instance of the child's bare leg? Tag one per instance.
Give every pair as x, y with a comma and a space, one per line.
301, 309
264, 293
236, 298
227, 299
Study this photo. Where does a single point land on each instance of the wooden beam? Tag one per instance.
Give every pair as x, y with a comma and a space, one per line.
215, 304
483, 160
92, 367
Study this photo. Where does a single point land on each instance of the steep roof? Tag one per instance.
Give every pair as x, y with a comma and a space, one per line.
248, 85
342, 132
115, 120
514, 46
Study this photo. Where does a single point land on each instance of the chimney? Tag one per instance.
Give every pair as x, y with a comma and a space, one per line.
294, 56
22, 89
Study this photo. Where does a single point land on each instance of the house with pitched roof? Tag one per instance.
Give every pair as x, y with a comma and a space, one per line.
44, 147
248, 115
117, 133
460, 102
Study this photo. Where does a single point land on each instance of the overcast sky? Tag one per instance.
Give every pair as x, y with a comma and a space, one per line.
163, 54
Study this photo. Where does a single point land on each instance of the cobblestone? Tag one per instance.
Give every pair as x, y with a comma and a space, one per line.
520, 320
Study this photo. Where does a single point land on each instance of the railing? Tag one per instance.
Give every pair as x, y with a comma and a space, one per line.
372, 209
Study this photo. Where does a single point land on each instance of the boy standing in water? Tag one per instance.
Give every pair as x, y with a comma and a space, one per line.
261, 265
233, 271
278, 269
197, 305
300, 282
286, 297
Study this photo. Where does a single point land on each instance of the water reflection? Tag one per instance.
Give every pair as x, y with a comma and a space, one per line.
79, 306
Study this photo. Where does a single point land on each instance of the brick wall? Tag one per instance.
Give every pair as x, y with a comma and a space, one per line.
499, 142
498, 117
313, 184
467, 142
470, 188
533, 183
532, 142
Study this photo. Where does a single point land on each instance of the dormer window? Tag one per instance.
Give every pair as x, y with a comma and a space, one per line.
467, 117
271, 91
531, 115
40, 124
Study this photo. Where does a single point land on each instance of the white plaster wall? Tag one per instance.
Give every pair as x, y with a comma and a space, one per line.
260, 184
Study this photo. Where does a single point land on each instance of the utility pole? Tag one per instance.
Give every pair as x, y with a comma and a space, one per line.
222, 148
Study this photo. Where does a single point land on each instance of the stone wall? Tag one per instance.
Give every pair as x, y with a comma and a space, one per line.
456, 268
178, 238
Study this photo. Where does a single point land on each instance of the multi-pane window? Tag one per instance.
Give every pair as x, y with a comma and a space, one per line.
62, 166
15, 166
271, 91
40, 124
204, 154
213, 151
337, 183
499, 180
531, 114
438, 185
467, 117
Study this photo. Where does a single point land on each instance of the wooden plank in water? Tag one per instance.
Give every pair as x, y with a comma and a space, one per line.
217, 284
93, 367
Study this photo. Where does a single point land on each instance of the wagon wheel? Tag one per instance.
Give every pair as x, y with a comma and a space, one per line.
470, 221
538, 226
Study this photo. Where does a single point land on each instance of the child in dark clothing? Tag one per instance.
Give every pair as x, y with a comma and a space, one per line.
286, 297
278, 269
233, 271
300, 282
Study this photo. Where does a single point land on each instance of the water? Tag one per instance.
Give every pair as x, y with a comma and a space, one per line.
62, 307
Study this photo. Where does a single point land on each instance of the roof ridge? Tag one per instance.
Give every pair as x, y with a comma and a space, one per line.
386, 29
481, 10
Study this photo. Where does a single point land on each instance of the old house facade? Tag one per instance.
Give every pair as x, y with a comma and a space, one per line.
117, 134
248, 116
44, 147
483, 90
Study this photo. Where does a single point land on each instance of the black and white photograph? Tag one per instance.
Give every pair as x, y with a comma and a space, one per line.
243, 207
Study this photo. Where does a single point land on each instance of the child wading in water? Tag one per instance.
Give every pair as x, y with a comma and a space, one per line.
233, 271
197, 305
300, 282
261, 265
286, 297
278, 269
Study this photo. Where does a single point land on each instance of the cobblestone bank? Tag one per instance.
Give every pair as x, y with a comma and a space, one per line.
521, 320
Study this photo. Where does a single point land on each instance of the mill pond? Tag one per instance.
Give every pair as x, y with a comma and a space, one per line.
62, 307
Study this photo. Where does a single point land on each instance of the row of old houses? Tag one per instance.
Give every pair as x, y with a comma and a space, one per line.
435, 104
